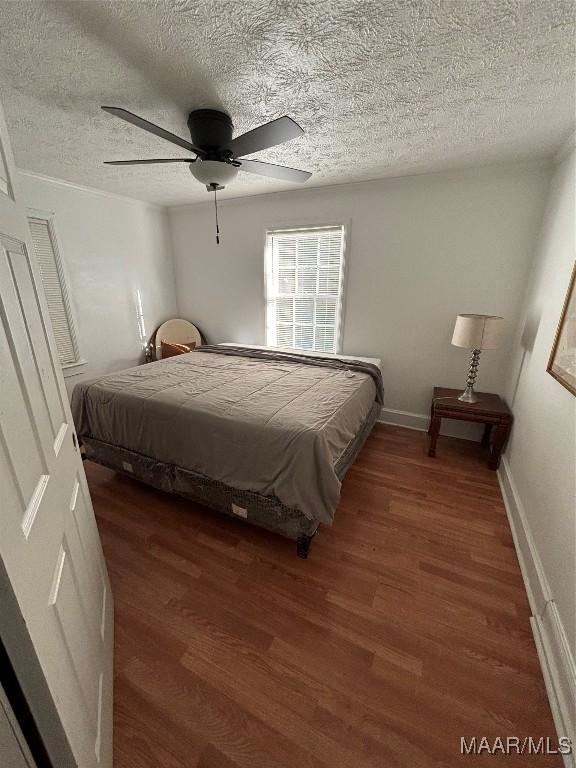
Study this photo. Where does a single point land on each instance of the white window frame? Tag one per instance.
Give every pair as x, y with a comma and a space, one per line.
270, 317
77, 366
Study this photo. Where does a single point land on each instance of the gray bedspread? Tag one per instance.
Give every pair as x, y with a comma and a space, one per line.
271, 422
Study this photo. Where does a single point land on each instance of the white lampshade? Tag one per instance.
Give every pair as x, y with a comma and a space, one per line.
213, 172
478, 331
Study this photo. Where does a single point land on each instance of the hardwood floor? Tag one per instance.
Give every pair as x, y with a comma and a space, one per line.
406, 629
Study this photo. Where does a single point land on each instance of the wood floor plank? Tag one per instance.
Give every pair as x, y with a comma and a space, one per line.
406, 629
161, 743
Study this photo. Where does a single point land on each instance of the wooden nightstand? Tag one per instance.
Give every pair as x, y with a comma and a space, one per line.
490, 410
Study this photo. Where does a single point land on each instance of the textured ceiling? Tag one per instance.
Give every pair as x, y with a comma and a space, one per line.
381, 87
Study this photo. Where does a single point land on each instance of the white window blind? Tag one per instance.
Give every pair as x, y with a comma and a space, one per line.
55, 290
304, 285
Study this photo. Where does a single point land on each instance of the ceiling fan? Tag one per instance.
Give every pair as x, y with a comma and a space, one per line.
219, 157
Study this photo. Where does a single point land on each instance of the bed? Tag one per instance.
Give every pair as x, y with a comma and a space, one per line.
259, 434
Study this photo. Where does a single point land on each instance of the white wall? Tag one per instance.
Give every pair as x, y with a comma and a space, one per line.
112, 248
422, 249
541, 457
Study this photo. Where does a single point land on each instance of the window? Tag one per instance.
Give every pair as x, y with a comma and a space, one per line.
55, 290
304, 287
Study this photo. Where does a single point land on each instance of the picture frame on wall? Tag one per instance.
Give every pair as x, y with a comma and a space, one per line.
562, 363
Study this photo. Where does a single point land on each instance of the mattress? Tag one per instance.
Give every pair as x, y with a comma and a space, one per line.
274, 423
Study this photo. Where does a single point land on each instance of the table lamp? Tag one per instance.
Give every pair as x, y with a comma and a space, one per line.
476, 332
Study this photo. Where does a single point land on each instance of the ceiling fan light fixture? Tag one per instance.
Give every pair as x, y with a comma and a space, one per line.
213, 173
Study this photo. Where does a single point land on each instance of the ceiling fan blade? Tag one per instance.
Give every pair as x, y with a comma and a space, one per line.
267, 135
147, 162
139, 122
274, 171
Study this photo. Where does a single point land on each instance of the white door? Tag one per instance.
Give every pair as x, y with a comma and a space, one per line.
48, 537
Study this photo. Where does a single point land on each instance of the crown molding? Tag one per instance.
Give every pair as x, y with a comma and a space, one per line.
529, 165
89, 190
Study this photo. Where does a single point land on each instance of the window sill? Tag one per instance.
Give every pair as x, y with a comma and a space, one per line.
74, 369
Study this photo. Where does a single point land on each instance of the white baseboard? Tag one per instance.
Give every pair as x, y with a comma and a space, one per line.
420, 421
559, 674
407, 419
556, 659
531, 566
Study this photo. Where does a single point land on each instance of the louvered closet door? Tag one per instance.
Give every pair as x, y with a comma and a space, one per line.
50, 269
49, 542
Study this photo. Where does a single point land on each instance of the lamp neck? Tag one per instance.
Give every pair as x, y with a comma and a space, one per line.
473, 369
469, 396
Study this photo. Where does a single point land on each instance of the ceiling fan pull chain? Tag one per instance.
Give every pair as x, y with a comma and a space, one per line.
216, 212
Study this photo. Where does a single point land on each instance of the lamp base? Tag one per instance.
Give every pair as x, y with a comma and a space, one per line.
468, 396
